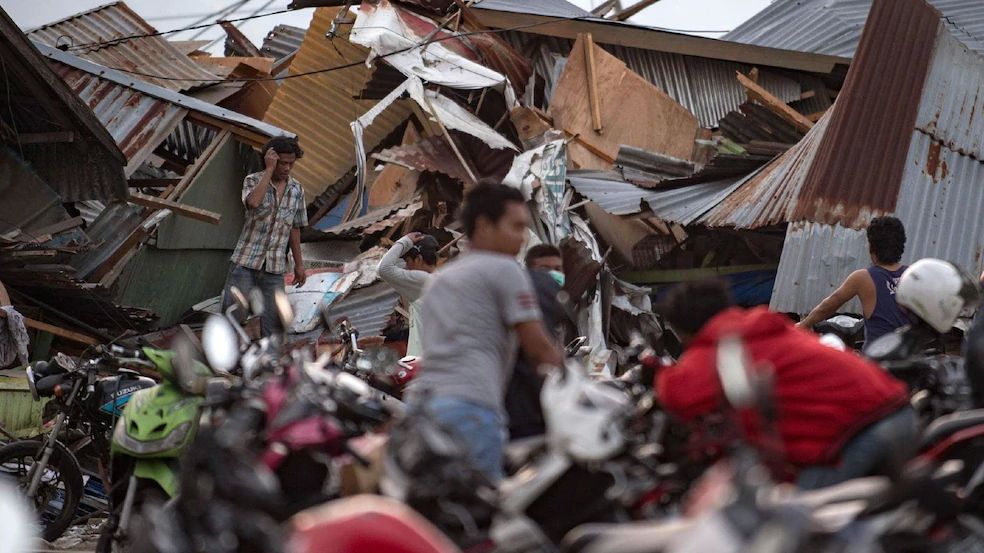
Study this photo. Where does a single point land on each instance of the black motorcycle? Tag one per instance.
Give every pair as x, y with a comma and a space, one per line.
85, 406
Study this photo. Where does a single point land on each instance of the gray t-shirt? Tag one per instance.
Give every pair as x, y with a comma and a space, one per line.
467, 315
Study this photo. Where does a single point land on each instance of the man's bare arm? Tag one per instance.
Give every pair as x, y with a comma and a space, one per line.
848, 290
295, 250
255, 197
537, 345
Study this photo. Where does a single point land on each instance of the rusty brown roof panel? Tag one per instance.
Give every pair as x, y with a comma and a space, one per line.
151, 55
768, 196
859, 165
320, 108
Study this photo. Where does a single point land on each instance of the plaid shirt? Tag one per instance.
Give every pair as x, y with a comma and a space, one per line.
266, 232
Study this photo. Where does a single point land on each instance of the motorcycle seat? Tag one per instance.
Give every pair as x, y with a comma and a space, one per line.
841, 324
947, 425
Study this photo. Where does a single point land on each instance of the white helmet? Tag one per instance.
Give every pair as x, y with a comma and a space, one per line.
937, 292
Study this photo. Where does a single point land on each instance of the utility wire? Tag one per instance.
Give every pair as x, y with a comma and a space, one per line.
115, 41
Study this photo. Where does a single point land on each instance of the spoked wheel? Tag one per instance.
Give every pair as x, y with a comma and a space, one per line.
60, 489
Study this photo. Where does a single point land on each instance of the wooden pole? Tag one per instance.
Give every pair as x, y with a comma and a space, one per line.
589, 63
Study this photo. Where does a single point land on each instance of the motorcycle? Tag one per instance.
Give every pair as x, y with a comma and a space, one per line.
86, 406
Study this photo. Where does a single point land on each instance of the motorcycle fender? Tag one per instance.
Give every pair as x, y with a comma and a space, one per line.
158, 471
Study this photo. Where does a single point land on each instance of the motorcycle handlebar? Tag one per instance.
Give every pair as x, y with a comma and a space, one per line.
120, 351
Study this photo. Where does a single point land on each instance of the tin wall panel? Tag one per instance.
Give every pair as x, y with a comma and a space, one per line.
952, 106
320, 108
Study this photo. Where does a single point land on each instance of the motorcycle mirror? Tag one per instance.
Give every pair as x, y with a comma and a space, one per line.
189, 379
241, 303
733, 371
221, 343
284, 311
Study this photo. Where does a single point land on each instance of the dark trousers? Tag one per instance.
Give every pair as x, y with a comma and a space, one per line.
246, 280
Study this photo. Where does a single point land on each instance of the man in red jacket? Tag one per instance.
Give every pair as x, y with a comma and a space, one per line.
839, 416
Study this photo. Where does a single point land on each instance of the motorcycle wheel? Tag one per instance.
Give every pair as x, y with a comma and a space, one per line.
61, 486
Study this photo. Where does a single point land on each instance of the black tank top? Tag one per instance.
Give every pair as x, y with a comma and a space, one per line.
886, 316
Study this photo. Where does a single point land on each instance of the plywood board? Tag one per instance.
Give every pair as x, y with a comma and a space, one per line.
633, 111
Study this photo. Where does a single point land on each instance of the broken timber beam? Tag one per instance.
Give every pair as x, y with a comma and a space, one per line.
185, 210
593, 100
56, 330
46, 137
777, 106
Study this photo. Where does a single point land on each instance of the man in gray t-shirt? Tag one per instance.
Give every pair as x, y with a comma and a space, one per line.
474, 312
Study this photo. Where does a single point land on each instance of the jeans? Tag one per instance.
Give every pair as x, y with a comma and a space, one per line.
246, 280
478, 428
882, 445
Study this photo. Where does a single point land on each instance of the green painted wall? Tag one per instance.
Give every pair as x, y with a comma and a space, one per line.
218, 187
169, 282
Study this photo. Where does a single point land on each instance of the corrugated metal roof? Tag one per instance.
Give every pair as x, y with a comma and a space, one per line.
768, 196
84, 82
677, 205
282, 41
368, 309
835, 26
941, 213
133, 119
707, 87
398, 211
860, 160
320, 108
148, 54
549, 8
939, 198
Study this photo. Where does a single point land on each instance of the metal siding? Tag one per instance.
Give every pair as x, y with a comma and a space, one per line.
941, 213
685, 205
547, 8
218, 187
611, 194
282, 41
368, 309
848, 182
152, 55
834, 27
170, 282
707, 87
952, 107
320, 108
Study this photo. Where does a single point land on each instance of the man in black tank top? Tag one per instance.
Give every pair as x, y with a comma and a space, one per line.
874, 286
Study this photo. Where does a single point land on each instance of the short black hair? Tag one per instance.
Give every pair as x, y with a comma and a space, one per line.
540, 251
283, 145
426, 248
489, 201
886, 238
690, 305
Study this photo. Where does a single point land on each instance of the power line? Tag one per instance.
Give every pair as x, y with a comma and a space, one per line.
115, 41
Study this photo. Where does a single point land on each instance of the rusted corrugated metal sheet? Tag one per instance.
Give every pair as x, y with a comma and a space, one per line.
940, 204
860, 160
282, 41
834, 26
151, 55
320, 108
952, 107
132, 118
768, 196
705, 86
376, 219
368, 309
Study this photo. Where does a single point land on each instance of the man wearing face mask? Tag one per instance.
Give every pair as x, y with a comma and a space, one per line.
546, 268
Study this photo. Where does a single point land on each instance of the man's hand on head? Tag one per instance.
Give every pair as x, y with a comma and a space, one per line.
415, 236
270, 159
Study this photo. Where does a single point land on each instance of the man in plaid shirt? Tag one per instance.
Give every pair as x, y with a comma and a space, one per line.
275, 213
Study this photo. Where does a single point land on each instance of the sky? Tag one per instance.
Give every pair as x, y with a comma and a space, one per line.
692, 15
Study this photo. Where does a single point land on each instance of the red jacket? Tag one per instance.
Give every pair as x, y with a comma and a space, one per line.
823, 396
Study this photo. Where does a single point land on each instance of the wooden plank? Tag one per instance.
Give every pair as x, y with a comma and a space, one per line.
195, 168
62, 332
152, 183
775, 105
60, 226
180, 209
589, 69
46, 137
635, 112
684, 275
632, 10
